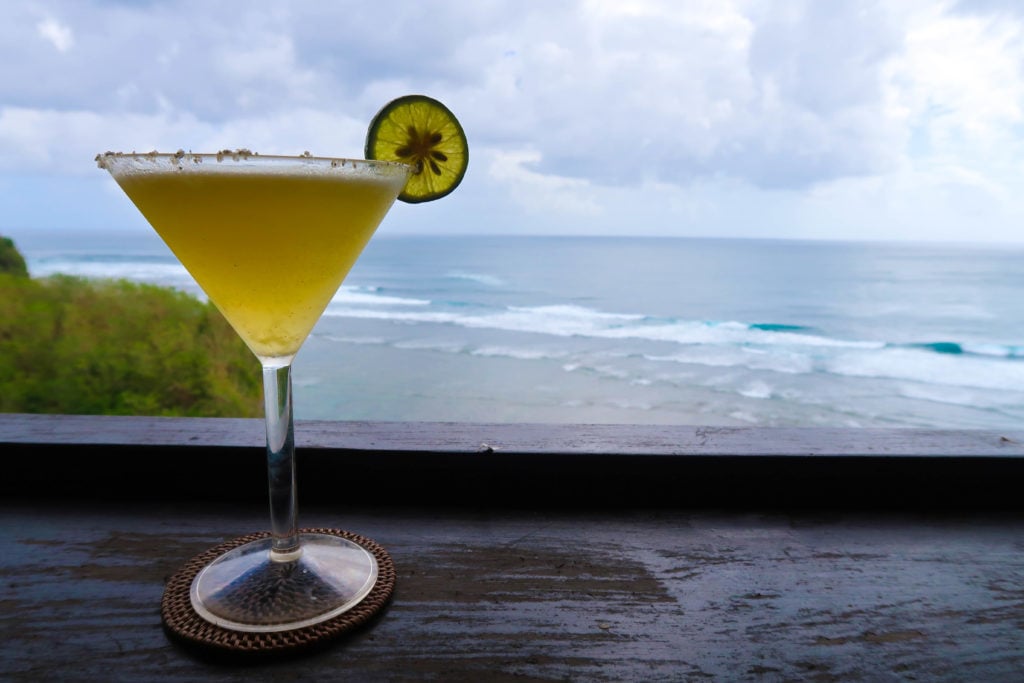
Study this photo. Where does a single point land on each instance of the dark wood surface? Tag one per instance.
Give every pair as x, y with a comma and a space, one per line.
547, 595
535, 552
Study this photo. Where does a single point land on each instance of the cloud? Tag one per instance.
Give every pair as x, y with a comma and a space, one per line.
611, 92
574, 102
59, 35
33, 140
779, 98
538, 192
780, 95
960, 77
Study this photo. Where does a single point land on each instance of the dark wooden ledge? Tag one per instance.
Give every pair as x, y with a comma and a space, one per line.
535, 552
511, 465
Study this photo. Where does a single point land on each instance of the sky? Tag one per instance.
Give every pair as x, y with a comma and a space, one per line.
735, 118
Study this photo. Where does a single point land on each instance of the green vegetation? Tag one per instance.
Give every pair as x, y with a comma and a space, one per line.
10, 260
76, 346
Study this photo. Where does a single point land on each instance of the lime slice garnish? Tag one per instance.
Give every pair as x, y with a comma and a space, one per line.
423, 133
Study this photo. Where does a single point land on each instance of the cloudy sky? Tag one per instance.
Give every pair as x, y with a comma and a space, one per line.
743, 118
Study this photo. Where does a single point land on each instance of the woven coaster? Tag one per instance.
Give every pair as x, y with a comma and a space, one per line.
182, 622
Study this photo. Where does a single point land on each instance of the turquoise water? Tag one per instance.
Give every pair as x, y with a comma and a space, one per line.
677, 331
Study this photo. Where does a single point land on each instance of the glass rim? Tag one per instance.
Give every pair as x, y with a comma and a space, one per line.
180, 157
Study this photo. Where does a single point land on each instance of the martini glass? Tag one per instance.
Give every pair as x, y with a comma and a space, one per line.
269, 239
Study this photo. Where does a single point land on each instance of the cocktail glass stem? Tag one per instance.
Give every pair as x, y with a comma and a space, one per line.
289, 579
277, 397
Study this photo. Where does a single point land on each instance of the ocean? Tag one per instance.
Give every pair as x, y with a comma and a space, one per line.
643, 330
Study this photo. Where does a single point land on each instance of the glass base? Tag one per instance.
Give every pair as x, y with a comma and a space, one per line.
246, 590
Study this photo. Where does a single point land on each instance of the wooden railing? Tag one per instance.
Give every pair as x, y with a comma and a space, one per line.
518, 464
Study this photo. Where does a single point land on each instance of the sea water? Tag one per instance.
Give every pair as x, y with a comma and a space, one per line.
644, 330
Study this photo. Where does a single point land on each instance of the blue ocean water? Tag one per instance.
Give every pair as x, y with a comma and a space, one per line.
625, 330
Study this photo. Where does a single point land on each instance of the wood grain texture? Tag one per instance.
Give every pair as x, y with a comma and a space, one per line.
511, 439
547, 596
535, 552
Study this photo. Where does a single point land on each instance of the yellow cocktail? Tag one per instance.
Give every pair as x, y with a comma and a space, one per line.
269, 239
268, 246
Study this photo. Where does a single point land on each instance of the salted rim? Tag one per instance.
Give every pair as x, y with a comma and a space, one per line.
180, 160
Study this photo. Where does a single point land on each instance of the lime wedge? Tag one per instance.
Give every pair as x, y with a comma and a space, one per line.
422, 132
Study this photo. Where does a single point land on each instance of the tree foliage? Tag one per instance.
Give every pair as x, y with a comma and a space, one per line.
11, 261
76, 346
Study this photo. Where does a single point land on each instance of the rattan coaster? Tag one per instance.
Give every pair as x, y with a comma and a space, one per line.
182, 622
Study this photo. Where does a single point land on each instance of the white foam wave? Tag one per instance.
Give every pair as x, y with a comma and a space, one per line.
778, 360
521, 353
572, 321
368, 296
430, 345
756, 389
996, 350
735, 333
402, 316
362, 341
479, 278
139, 271
930, 368
726, 345
559, 321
